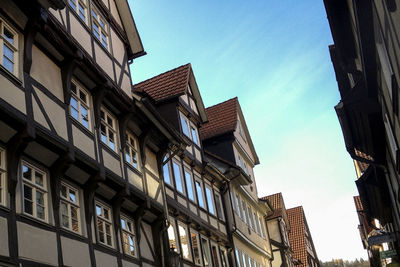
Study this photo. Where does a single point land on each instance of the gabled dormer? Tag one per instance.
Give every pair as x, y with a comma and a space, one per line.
226, 135
176, 95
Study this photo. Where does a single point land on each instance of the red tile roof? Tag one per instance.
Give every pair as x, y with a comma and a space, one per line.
166, 85
222, 119
276, 201
357, 202
297, 234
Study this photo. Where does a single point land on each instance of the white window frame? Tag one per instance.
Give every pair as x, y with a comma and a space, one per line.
102, 25
181, 236
14, 47
198, 184
3, 175
131, 150
35, 188
189, 183
182, 182
109, 128
129, 233
196, 234
70, 204
105, 221
76, 5
206, 249
80, 104
211, 209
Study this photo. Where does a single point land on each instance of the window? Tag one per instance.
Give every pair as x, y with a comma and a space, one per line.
104, 224
108, 129
185, 245
79, 104
128, 236
251, 220
99, 27
196, 247
218, 205
178, 177
257, 223
189, 185
185, 125
237, 253
70, 217
206, 252
199, 190
194, 135
210, 202
167, 176
243, 259
224, 257
172, 237
34, 191
215, 255
239, 210
9, 48
262, 226
2, 177
131, 150
244, 213
79, 7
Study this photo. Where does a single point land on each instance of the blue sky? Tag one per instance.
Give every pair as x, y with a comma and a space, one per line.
274, 56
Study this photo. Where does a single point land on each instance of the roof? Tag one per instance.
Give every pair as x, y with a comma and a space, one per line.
222, 118
357, 202
166, 85
277, 204
297, 234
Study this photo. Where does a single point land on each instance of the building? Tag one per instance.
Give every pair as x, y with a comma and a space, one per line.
194, 188
229, 147
365, 57
300, 238
81, 157
279, 228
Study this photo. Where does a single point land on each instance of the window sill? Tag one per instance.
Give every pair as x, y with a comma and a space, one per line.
36, 222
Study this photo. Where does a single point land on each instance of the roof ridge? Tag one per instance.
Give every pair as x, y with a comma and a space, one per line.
224, 102
165, 72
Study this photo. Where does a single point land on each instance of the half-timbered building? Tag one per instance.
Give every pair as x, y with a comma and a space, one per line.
194, 188
228, 146
80, 155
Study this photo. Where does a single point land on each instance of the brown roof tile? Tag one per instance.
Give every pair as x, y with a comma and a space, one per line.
357, 202
222, 118
297, 236
166, 85
276, 201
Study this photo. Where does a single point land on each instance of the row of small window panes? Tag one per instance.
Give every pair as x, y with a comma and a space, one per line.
35, 203
9, 47
192, 133
217, 255
192, 192
99, 25
247, 214
243, 260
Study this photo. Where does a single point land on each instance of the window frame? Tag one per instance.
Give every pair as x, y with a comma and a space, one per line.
132, 150
211, 200
196, 234
167, 167
189, 184
199, 185
173, 225
129, 233
188, 243
220, 210
109, 128
98, 19
80, 89
76, 8
35, 187
14, 47
3, 175
205, 250
216, 256
70, 203
245, 216
181, 188
105, 221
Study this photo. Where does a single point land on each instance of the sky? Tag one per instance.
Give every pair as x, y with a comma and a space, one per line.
272, 55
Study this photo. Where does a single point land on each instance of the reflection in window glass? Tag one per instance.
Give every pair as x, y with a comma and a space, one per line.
214, 252
188, 178
183, 236
237, 257
172, 237
185, 126
210, 202
206, 252
199, 190
178, 178
196, 248
194, 135
167, 177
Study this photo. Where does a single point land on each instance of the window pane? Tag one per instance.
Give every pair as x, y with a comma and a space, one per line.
8, 36
8, 53
200, 194
128, 156
9, 65
194, 136
28, 192
214, 253
72, 196
184, 242
103, 133
210, 202
82, 12
63, 191
123, 225
72, 4
185, 127
98, 210
27, 172
167, 177
40, 212
106, 214
206, 252
196, 249
178, 178
39, 198
218, 206
188, 178
172, 238
39, 178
